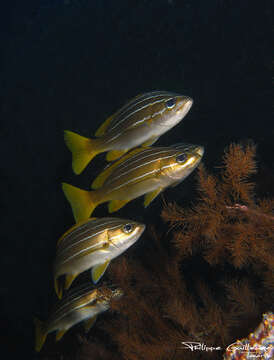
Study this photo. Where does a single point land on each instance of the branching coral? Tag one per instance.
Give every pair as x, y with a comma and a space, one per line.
217, 225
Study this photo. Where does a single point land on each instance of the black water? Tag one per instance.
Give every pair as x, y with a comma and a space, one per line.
70, 64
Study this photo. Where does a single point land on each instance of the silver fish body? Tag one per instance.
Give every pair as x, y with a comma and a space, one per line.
151, 169
141, 121
145, 119
93, 244
83, 303
143, 171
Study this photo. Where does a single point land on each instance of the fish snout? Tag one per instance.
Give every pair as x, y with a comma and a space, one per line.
117, 293
140, 229
184, 104
200, 151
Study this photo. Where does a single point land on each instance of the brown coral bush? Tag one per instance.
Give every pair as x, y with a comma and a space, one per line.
209, 281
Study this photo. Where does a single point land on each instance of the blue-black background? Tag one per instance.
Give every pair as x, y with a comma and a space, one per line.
68, 65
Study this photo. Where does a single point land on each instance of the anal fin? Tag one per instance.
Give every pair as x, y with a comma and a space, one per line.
89, 323
149, 197
60, 334
69, 280
98, 271
115, 205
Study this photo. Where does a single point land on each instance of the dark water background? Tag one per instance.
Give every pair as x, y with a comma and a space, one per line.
69, 65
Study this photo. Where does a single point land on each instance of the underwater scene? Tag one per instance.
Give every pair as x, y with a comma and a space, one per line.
137, 180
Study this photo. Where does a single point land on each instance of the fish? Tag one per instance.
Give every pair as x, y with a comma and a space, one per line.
83, 303
92, 244
141, 121
142, 171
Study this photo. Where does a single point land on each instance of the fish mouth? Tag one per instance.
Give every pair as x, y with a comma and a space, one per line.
185, 103
141, 229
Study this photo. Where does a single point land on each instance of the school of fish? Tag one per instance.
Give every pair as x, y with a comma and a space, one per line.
136, 168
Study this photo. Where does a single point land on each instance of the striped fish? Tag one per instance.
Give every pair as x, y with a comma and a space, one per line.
84, 303
143, 171
92, 244
141, 121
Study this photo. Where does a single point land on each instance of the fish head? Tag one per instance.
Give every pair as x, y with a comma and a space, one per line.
183, 160
122, 237
174, 109
107, 293
107, 296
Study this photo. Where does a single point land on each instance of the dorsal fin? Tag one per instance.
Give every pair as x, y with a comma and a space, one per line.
102, 177
115, 154
102, 129
73, 228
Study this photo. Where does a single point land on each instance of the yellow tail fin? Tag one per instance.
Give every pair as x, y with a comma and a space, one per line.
83, 150
82, 202
40, 334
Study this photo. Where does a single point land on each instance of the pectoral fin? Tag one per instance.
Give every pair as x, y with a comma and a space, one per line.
98, 271
151, 196
115, 205
89, 323
60, 334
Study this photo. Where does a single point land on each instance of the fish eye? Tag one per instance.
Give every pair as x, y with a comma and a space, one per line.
170, 103
128, 228
181, 158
